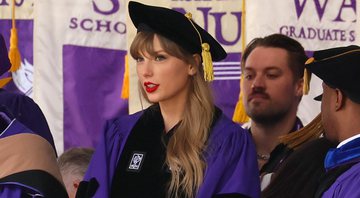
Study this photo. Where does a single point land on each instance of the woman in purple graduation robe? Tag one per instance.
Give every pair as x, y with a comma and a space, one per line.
182, 145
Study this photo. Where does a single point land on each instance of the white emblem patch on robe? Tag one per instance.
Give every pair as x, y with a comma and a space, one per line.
136, 161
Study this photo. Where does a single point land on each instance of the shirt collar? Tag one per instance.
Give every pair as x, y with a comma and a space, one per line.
348, 140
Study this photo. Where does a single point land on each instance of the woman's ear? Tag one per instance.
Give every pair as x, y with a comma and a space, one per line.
193, 67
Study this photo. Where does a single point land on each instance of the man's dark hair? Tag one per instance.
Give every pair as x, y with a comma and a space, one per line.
296, 52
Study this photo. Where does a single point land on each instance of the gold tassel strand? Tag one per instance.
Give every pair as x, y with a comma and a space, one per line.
240, 115
125, 86
205, 54
14, 53
208, 64
307, 77
311, 131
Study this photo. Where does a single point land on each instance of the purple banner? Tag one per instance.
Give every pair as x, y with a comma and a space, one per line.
92, 89
226, 85
24, 76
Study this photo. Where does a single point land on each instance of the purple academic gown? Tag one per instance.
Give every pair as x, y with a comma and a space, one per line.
348, 183
26, 111
35, 179
230, 156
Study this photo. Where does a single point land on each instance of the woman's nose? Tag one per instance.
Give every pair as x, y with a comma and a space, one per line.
145, 69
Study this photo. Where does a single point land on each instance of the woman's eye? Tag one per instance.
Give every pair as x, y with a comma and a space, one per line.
159, 58
139, 59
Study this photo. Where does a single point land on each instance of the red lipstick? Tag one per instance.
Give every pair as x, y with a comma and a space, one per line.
150, 87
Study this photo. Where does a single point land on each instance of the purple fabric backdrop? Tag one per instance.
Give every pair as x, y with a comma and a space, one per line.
25, 43
226, 92
92, 89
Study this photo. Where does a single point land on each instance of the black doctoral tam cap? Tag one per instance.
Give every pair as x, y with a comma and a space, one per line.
176, 27
339, 68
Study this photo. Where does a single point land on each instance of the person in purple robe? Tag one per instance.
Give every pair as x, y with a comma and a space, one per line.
182, 145
28, 156
340, 109
21, 106
27, 162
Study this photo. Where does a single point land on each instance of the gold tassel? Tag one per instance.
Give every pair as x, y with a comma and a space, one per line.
311, 131
307, 77
14, 53
188, 15
4, 81
125, 85
205, 53
240, 115
208, 64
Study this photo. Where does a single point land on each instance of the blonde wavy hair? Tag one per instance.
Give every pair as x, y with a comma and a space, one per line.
185, 148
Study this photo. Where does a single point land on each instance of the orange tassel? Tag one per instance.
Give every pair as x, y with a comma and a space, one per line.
125, 86
4, 81
14, 53
240, 115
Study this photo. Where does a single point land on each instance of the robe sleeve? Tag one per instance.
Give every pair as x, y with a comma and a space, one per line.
231, 164
346, 185
10, 191
28, 164
98, 177
27, 112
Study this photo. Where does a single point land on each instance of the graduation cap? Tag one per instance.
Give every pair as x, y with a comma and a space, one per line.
4, 58
338, 68
180, 29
